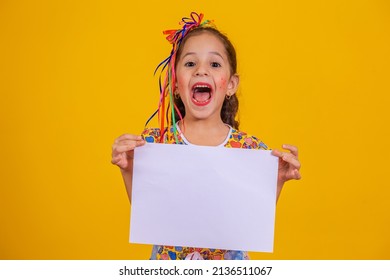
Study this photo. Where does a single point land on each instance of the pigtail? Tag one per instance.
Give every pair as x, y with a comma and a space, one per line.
229, 111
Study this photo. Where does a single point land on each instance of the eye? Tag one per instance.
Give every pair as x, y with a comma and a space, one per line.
215, 64
189, 64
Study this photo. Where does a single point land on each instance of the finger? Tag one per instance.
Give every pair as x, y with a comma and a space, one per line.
287, 157
116, 159
291, 159
128, 137
297, 174
117, 149
277, 153
137, 143
293, 174
291, 148
140, 143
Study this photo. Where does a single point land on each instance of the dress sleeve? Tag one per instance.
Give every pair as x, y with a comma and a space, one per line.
239, 139
260, 144
151, 135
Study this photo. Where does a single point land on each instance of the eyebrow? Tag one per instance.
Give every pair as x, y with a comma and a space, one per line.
215, 53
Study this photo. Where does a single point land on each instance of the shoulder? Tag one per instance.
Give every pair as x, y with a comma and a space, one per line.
154, 135
243, 140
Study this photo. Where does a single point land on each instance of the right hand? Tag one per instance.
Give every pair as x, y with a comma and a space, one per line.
123, 150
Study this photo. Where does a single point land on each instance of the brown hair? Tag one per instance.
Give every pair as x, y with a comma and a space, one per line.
230, 106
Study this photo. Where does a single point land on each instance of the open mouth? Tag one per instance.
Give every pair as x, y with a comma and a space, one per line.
201, 94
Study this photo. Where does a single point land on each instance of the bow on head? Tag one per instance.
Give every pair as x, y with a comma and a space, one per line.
175, 36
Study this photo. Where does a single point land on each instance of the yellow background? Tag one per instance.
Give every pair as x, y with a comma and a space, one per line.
74, 75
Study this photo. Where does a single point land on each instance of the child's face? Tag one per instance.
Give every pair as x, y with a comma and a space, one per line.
203, 77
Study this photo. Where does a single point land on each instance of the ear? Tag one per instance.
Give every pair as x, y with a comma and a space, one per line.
233, 84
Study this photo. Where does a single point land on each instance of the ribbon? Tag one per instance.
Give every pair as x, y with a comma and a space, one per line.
168, 74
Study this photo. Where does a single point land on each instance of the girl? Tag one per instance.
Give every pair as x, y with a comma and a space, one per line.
200, 86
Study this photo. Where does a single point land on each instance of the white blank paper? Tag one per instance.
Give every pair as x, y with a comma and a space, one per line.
206, 197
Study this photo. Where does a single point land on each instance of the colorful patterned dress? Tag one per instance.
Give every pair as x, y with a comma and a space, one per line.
235, 139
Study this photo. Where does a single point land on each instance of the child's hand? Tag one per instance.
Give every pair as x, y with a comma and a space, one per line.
289, 164
123, 150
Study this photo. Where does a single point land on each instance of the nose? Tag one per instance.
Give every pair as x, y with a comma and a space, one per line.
201, 70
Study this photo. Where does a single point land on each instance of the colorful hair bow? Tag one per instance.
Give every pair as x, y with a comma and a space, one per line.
168, 74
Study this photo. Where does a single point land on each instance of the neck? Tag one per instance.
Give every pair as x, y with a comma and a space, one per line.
204, 132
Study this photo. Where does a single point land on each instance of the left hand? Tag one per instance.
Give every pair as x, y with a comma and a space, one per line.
289, 164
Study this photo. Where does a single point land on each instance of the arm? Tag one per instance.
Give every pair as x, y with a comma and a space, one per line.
128, 180
289, 166
123, 155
